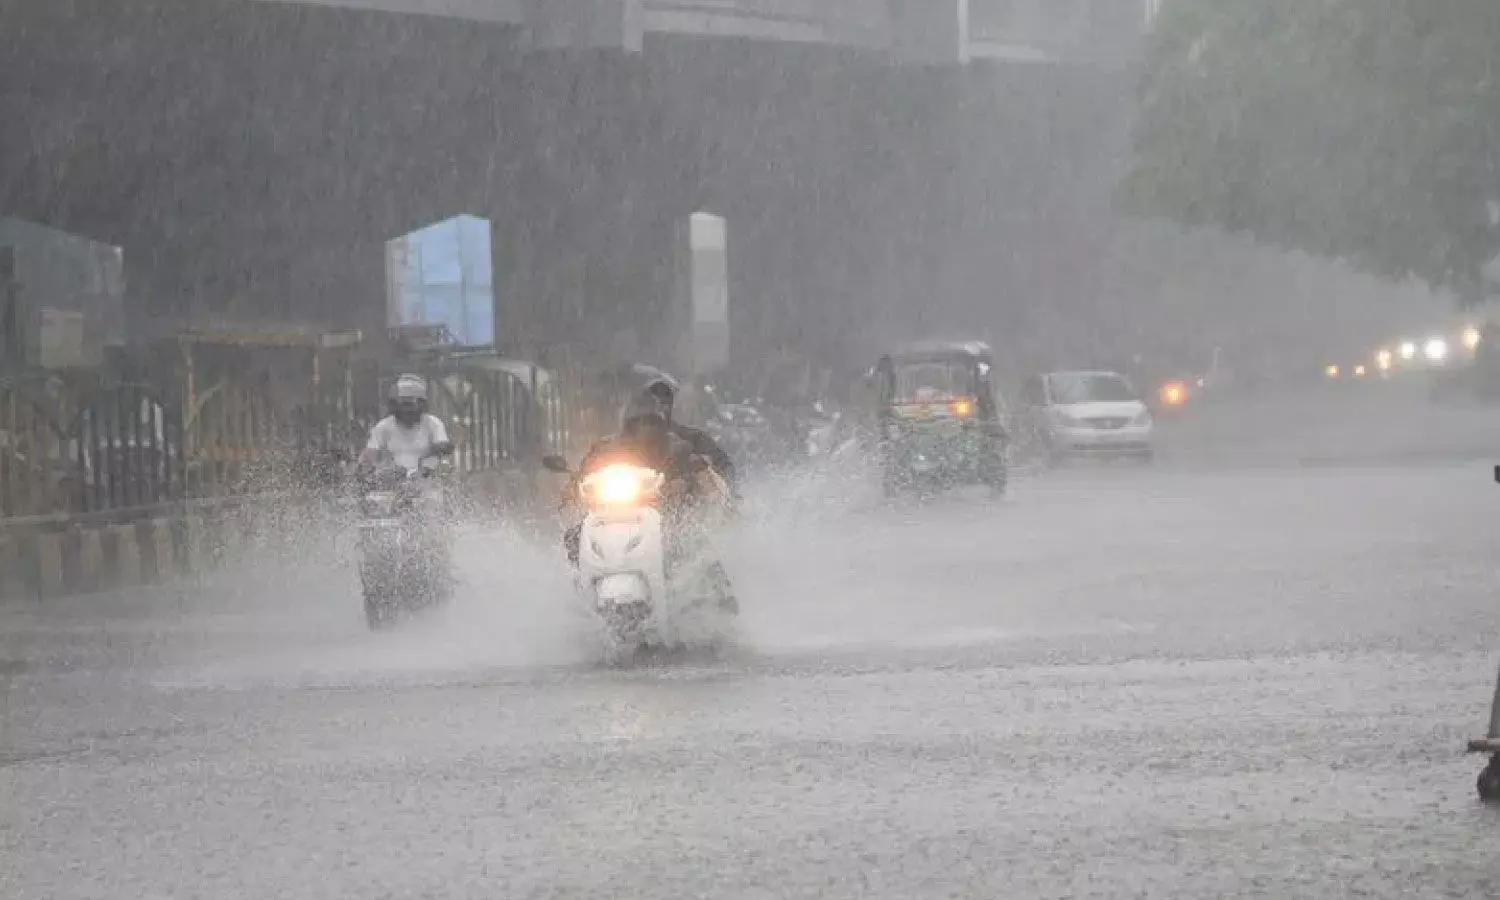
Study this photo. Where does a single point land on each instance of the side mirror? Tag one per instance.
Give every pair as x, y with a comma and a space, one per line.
555, 464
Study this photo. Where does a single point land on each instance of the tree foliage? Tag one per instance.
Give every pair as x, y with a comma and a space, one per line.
1367, 130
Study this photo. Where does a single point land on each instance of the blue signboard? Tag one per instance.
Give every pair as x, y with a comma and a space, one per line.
442, 275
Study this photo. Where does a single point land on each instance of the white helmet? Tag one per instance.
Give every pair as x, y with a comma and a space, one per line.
409, 387
408, 398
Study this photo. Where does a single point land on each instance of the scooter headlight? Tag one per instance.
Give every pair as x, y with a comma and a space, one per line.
620, 485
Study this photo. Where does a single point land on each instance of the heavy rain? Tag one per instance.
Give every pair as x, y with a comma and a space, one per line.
748, 448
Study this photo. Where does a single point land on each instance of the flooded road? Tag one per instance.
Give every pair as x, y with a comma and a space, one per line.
1194, 681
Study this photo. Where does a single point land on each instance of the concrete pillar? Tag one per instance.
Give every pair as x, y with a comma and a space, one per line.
929, 32
512, 249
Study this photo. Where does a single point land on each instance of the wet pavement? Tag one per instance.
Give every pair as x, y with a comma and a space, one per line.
1194, 681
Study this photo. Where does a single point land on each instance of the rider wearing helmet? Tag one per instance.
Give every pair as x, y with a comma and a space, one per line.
648, 427
647, 430
409, 434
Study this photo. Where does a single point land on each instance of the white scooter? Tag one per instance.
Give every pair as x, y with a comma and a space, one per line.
624, 579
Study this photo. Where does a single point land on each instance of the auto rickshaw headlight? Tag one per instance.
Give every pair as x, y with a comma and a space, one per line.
963, 409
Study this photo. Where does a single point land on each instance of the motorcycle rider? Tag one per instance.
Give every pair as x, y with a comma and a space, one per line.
408, 434
648, 432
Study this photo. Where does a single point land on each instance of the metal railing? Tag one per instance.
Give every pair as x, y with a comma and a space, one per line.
222, 422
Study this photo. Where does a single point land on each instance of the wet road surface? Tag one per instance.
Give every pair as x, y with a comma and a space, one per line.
1189, 682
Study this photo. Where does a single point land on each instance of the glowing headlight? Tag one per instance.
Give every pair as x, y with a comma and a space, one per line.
1331, 371
620, 485
1408, 350
1472, 337
1436, 350
1383, 359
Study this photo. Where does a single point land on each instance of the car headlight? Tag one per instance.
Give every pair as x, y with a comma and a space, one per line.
1408, 350
1174, 393
1436, 350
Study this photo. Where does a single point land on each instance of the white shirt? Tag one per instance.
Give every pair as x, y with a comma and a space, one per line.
407, 447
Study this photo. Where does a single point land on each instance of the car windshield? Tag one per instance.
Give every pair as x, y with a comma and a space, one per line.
1089, 387
927, 382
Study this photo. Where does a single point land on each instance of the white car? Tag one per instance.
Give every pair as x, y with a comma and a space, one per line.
1090, 413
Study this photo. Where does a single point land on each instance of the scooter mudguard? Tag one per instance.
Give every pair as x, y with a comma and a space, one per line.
621, 556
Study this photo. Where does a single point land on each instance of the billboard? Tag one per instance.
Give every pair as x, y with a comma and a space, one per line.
62, 297
443, 275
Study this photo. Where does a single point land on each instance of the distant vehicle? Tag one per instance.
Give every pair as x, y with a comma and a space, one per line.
940, 419
1090, 414
1174, 395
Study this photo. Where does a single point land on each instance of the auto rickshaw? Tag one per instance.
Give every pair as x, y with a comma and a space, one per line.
939, 419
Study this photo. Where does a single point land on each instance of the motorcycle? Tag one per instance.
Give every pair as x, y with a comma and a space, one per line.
645, 568
404, 563
745, 434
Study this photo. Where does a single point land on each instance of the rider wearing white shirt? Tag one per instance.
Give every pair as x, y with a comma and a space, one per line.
409, 434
